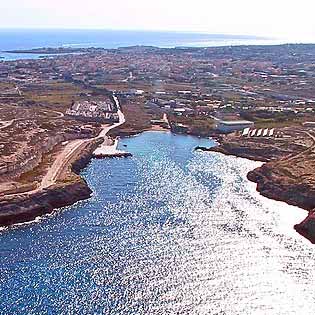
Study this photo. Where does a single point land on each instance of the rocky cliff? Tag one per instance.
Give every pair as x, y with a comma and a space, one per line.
68, 190
288, 174
277, 183
307, 227
26, 208
274, 183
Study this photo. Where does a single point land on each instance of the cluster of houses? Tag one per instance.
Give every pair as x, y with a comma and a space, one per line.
93, 110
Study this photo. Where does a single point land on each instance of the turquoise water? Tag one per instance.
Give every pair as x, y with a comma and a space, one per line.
168, 231
28, 39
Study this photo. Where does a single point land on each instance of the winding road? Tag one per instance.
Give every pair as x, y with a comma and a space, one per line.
72, 149
76, 146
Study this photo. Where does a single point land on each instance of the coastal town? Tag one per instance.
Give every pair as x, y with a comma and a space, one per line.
257, 101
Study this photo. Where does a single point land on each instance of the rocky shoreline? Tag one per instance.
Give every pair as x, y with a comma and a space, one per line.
270, 177
239, 152
283, 177
307, 227
273, 187
297, 194
26, 207
22, 208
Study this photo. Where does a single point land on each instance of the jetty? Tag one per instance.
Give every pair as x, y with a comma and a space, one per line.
109, 149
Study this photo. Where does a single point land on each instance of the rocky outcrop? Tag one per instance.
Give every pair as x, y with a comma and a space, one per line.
253, 151
32, 157
27, 208
274, 184
72, 188
307, 227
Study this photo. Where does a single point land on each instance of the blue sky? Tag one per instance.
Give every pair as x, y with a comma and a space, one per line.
288, 19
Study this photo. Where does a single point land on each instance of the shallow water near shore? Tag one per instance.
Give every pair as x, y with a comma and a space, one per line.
168, 231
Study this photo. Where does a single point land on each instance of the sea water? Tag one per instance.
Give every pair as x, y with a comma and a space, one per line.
168, 231
29, 39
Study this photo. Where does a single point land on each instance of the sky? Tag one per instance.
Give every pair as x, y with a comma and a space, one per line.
287, 19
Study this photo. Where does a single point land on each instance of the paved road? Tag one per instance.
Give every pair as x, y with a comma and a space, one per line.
75, 146
59, 164
70, 150
121, 117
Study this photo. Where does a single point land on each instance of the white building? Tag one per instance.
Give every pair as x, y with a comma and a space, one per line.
136, 92
245, 132
233, 125
265, 134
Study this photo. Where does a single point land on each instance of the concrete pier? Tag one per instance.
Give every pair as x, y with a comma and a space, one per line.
109, 150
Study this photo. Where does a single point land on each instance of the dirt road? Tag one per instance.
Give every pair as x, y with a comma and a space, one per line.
72, 149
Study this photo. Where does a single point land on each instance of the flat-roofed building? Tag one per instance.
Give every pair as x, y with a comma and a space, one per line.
309, 124
265, 134
245, 132
227, 126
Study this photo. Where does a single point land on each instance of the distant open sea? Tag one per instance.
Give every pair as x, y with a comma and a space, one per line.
28, 39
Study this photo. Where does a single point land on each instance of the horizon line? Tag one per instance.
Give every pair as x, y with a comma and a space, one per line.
265, 37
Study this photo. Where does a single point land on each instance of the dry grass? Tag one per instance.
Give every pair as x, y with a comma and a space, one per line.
58, 96
197, 125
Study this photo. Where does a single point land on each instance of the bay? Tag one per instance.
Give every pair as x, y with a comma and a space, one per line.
168, 231
15, 39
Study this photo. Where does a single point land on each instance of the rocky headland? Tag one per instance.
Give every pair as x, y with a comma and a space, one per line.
288, 173
68, 189
26, 208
